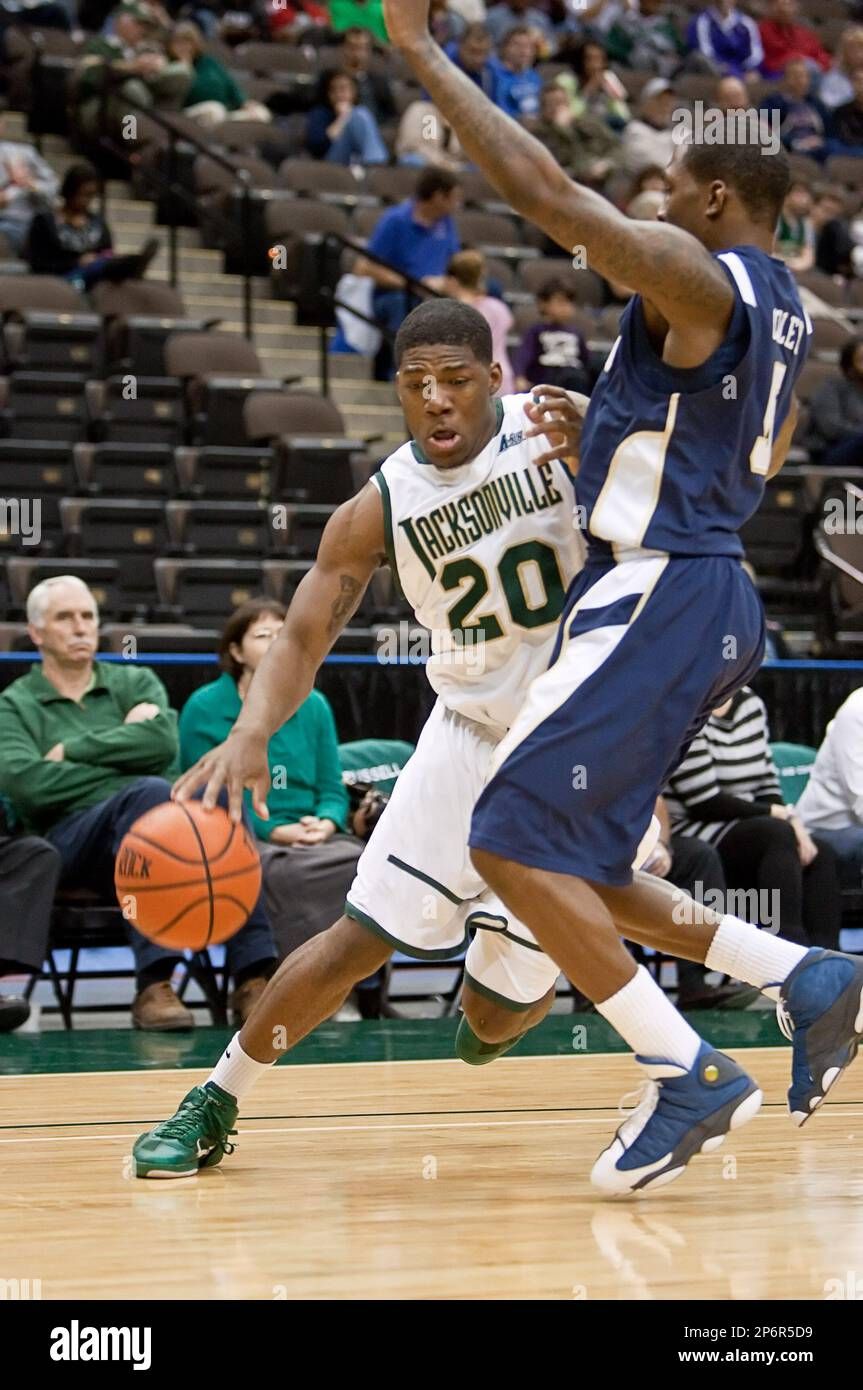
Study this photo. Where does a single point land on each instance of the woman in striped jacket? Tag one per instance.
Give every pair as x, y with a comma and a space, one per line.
726, 792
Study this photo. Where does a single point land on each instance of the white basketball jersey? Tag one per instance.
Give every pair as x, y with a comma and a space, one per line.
484, 554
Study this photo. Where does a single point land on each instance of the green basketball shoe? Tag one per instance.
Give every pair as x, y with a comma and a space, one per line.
196, 1137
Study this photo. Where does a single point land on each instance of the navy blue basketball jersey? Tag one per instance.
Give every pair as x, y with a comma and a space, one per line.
674, 459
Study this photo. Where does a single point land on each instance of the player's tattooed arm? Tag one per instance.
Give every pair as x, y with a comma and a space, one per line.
667, 265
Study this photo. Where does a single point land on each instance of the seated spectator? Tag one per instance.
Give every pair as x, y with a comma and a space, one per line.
727, 39
803, 121
835, 87
472, 54
783, 39
425, 139
88, 747
75, 242
214, 95
834, 244
338, 129
502, 18
795, 233
831, 806
553, 351
650, 179
29, 873
289, 20
134, 63
730, 94
517, 83
417, 238
374, 91
466, 280
308, 859
647, 39
726, 792
593, 87
445, 26
359, 14
650, 138
848, 121
835, 435
583, 145
27, 183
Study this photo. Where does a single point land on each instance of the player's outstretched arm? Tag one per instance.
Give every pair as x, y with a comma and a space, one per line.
665, 264
352, 548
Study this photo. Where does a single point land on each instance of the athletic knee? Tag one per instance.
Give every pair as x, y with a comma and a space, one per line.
490, 1022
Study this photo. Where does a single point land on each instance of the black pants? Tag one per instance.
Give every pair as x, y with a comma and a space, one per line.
696, 868
29, 870
760, 859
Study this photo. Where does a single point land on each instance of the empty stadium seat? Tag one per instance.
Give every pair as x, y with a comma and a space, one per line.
295, 531
234, 530
586, 285
134, 530
36, 473
226, 473
101, 576
140, 316
137, 410
220, 370
267, 415
44, 405
204, 592
125, 470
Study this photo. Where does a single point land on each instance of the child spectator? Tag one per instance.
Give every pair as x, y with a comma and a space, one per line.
795, 233
466, 281
554, 351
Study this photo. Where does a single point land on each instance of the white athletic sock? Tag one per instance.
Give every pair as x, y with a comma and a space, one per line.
646, 1018
236, 1072
747, 953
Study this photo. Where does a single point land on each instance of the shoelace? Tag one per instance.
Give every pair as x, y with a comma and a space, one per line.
182, 1125
785, 1021
643, 1097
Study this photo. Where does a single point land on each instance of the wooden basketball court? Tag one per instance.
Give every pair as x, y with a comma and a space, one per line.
422, 1180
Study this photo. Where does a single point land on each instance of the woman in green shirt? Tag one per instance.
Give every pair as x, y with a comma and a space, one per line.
308, 859
214, 95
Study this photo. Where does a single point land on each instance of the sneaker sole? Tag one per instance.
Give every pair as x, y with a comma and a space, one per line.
733, 1115
840, 1064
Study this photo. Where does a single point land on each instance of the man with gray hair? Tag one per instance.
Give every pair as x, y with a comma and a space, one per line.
87, 748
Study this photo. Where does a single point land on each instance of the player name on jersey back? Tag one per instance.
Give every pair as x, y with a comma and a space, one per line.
484, 554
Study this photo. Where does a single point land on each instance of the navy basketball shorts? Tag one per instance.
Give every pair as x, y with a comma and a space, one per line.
647, 648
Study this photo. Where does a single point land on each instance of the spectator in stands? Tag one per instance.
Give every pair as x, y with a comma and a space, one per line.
582, 145
133, 61
214, 95
473, 55
648, 39
445, 26
730, 94
373, 88
650, 138
650, 179
29, 874
425, 138
783, 39
87, 748
726, 792
803, 121
831, 806
517, 83
553, 351
466, 280
795, 232
593, 86
289, 20
848, 120
75, 242
835, 433
309, 860
417, 238
727, 39
835, 87
834, 244
27, 183
338, 129
359, 14
502, 18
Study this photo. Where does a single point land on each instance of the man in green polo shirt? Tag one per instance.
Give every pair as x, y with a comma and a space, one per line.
87, 747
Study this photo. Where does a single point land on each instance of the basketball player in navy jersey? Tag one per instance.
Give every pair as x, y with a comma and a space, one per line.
693, 411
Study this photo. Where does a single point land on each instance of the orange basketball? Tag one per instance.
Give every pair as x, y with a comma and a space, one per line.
186, 877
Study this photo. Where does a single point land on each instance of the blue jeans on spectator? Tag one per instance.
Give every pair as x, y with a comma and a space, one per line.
390, 308
88, 842
847, 845
360, 140
848, 454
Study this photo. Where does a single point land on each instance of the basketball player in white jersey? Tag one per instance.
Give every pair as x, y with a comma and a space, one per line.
475, 518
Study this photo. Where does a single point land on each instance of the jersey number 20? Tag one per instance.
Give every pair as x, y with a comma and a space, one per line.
510, 573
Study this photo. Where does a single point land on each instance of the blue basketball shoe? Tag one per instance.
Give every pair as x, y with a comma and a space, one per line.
820, 1011
682, 1113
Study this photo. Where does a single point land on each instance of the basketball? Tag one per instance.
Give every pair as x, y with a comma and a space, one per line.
185, 877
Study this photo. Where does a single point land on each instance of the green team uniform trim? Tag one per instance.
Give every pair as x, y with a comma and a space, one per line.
389, 539
425, 878
445, 953
500, 931
495, 998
